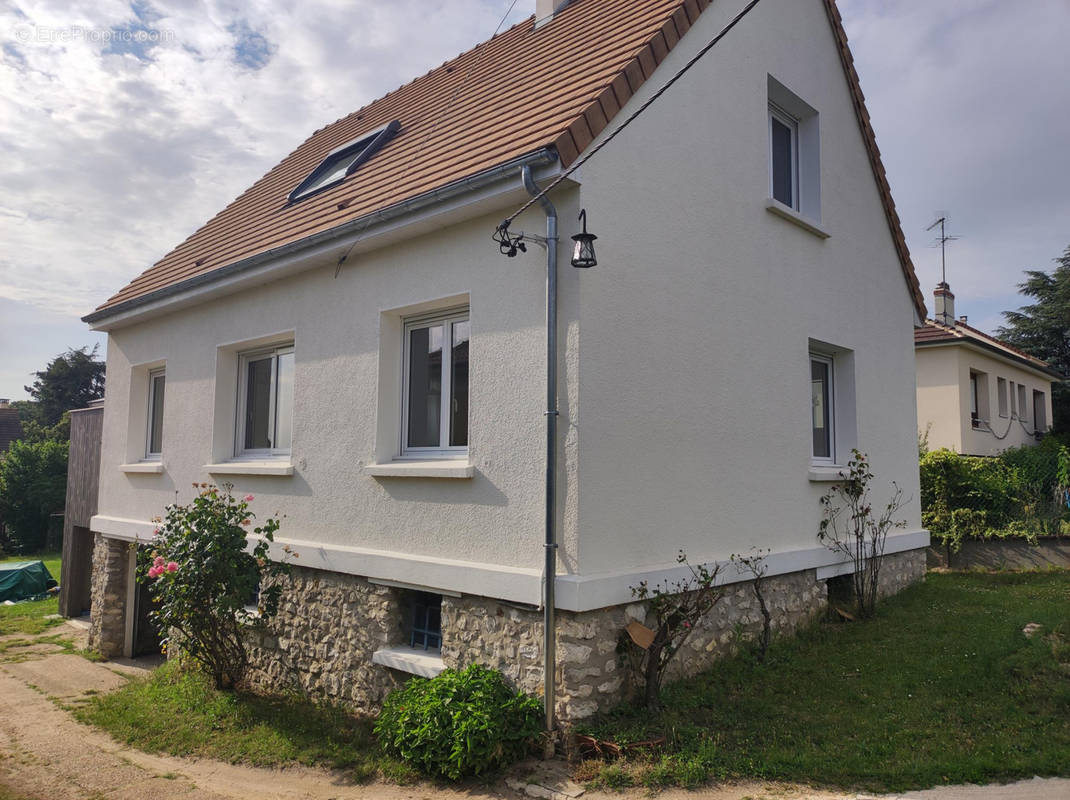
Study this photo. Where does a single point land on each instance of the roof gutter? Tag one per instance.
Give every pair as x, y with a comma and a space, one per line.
355, 227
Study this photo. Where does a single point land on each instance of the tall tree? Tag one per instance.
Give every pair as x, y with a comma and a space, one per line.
1043, 329
71, 380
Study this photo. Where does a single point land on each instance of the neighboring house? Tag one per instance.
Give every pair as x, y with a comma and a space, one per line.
346, 343
10, 427
977, 395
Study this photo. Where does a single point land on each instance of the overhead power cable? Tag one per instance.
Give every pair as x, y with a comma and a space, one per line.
631, 118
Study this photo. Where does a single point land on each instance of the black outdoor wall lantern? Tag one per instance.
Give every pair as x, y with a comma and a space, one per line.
583, 252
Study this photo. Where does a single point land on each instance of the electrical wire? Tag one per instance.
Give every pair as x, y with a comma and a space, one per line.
480, 52
631, 118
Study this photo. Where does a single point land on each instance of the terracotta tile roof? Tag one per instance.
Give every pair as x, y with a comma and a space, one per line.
933, 332
526, 89
10, 428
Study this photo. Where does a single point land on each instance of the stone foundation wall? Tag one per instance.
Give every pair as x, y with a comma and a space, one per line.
329, 625
107, 613
322, 641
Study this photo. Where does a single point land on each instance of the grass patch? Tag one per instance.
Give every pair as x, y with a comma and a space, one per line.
29, 618
941, 687
178, 712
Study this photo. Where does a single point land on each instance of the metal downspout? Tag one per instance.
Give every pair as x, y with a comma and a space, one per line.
550, 543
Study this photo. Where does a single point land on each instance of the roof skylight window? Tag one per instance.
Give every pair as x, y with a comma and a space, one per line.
344, 161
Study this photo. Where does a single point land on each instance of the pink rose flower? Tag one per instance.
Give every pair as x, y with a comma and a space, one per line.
158, 561
248, 498
154, 571
171, 566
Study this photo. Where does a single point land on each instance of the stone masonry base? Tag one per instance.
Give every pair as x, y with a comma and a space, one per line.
107, 612
329, 626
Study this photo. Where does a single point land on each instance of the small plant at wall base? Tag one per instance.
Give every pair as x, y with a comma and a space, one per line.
754, 565
201, 578
849, 527
677, 608
459, 723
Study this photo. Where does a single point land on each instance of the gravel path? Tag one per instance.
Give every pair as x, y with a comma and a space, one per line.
46, 753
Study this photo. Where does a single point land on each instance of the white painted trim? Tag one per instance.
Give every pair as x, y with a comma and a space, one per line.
421, 469
821, 473
824, 573
239, 467
586, 592
791, 215
155, 467
413, 587
516, 584
411, 660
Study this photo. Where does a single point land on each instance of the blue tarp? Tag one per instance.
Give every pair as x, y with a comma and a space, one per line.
20, 580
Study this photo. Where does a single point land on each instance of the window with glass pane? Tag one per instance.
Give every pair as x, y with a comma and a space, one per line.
156, 394
425, 632
436, 378
783, 135
821, 407
266, 401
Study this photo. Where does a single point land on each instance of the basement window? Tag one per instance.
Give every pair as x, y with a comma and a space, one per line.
425, 621
343, 161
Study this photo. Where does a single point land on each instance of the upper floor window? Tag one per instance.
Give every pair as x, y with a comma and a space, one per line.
154, 439
794, 152
435, 419
265, 401
784, 157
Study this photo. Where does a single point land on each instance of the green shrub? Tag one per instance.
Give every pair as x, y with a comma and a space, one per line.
1020, 493
33, 485
458, 723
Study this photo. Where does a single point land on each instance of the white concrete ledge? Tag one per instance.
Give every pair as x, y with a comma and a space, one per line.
793, 216
425, 663
825, 474
250, 468
421, 469
152, 467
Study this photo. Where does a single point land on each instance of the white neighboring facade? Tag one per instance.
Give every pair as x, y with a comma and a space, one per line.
977, 395
716, 368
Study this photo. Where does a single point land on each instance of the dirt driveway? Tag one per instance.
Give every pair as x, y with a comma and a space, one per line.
45, 753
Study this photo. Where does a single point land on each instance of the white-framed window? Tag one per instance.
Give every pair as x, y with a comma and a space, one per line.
1001, 396
979, 403
265, 402
154, 434
794, 152
435, 385
783, 157
1040, 412
1023, 407
822, 412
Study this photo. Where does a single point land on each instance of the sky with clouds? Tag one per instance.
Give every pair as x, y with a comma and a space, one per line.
124, 126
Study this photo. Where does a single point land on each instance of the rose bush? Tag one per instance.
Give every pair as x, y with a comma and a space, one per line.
205, 566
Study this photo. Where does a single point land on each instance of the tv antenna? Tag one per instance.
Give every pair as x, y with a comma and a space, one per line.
942, 241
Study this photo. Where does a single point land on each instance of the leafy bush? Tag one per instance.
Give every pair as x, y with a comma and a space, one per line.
458, 723
1020, 493
201, 578
33, 485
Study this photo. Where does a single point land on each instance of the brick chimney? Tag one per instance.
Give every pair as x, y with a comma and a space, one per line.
945, 305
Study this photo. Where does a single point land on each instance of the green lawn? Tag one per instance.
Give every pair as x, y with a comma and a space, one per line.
178, 712
941, 687
30, 618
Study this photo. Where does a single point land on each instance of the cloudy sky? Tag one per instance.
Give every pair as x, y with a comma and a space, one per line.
124, 126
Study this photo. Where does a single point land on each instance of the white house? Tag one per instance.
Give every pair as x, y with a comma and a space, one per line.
977, 395
347, 343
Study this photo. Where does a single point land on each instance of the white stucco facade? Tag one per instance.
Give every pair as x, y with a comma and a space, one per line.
945, 400
685, 404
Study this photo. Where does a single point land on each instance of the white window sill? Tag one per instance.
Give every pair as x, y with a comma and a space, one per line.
425, 663
250, 468
825, 473
151, 467
421, 469
791, 215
